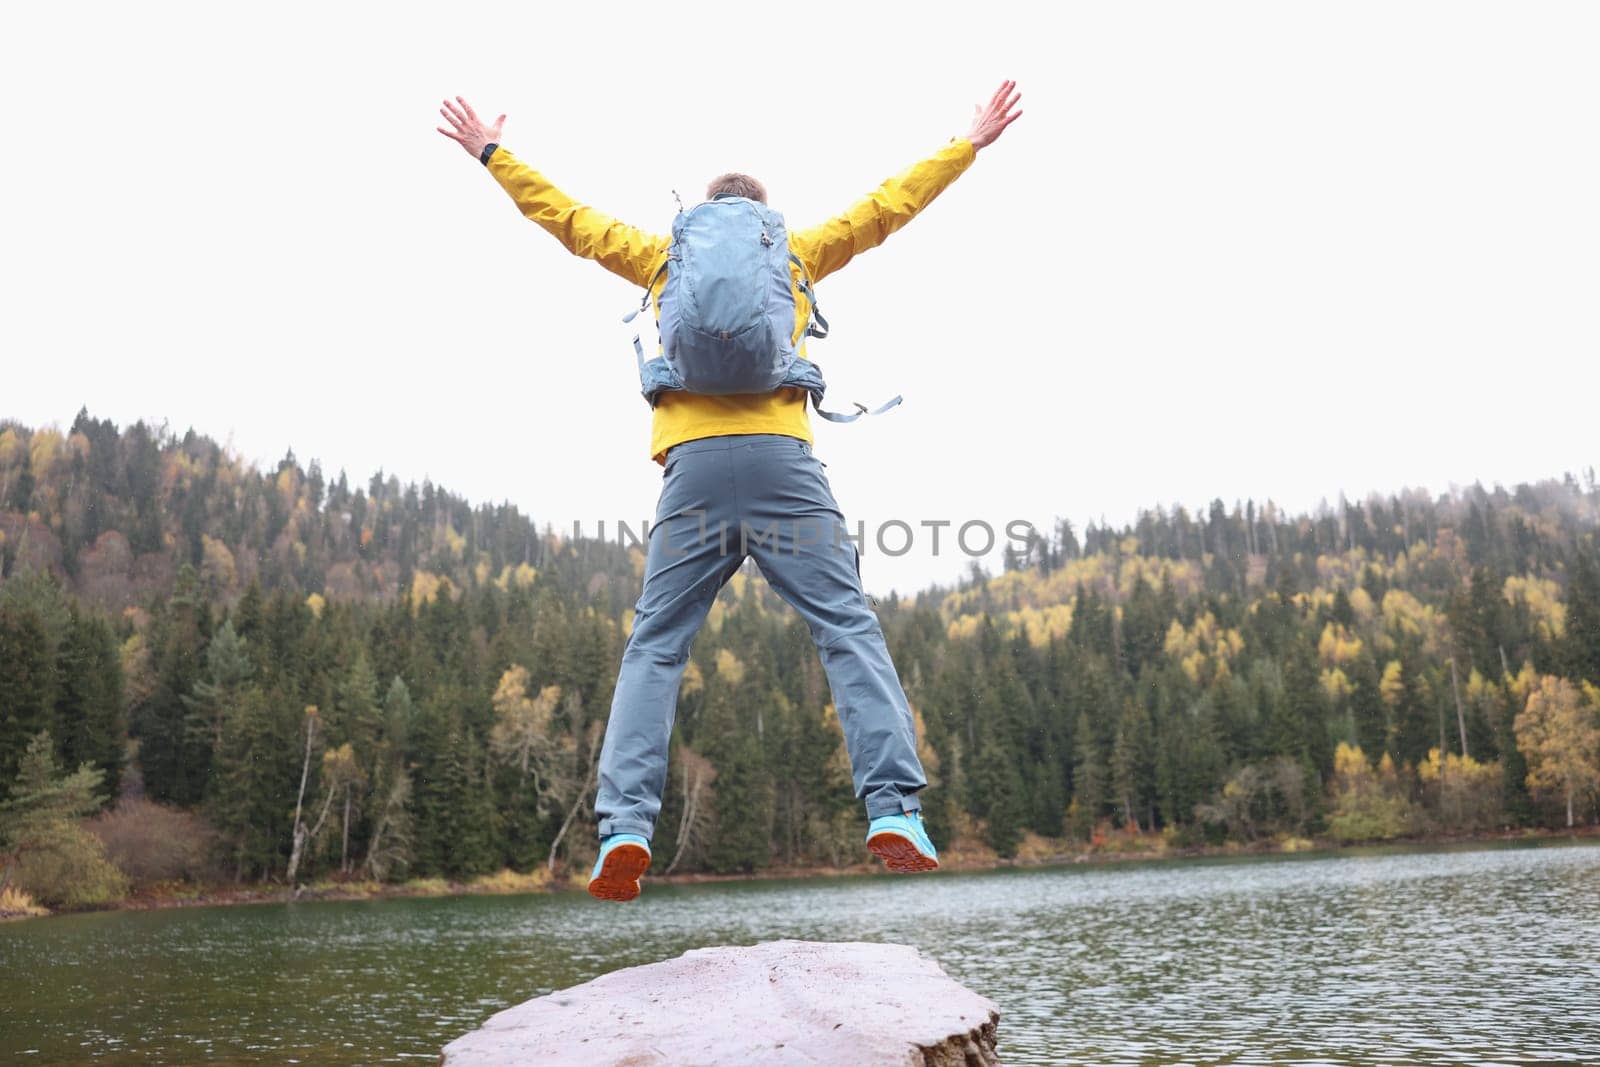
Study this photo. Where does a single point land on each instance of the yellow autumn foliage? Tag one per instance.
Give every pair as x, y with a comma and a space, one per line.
1557, 730
729, 667
1204, 650
425, 585
43, 449
1006, 596
1367, 805
1405, 611
217, 564
519, 577
963, 628
1543, 600
454, 542
1337, 646
693, 680
1522, 683
1040, 625
1391, 684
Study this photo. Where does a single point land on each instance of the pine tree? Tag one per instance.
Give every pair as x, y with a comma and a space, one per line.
1089, 779
19, 497
1367, 707
173, 758
227, 670
391, 845
26, 684
744, 796
258, 770
1415, 728
1002, 802
1515, 800
88, 706
1582, 639
1308, 707
1133, 765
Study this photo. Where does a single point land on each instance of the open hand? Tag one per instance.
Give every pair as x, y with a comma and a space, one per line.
988, 122
468, 130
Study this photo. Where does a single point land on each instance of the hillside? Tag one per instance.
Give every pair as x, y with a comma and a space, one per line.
1398, 665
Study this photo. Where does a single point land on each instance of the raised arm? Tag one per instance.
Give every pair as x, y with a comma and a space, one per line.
622, 249
870, 220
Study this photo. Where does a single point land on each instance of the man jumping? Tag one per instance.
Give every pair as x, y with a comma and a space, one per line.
736, 463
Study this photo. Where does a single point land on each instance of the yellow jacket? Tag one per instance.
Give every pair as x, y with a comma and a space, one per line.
635, 255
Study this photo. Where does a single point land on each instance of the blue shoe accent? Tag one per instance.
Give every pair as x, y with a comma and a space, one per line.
623, 858
902, 842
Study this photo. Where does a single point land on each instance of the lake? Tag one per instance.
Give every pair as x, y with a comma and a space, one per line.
1448, 955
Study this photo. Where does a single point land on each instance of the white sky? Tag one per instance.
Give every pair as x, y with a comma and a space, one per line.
1245, 249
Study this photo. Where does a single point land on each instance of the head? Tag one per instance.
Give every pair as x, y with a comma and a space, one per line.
734, 184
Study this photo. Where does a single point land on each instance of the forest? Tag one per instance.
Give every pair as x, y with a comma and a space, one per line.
213, 672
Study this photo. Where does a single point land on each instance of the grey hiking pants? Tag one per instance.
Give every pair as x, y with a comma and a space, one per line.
765, 496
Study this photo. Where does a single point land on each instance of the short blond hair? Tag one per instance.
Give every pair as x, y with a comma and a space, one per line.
736, 184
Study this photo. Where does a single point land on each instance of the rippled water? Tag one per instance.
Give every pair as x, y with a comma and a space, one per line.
1445, 956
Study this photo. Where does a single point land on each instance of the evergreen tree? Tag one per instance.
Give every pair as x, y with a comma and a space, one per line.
88, 706
727, 734
1582, 638
1308, 709
1001, 800
1415, 727
1133, 765
26, 683
1367, 708
1089, 780
19, 497
258, 775
175, 760
227, 670
1515, 800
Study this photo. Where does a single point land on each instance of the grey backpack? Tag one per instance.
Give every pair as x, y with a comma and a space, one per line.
727, 310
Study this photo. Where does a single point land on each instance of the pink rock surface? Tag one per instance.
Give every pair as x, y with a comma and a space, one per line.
780, 1002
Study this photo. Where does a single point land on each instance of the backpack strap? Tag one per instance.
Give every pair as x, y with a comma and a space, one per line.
638, 349
816, 325
861, 409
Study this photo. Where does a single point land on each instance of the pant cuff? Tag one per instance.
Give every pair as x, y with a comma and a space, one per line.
626, 826
892, 805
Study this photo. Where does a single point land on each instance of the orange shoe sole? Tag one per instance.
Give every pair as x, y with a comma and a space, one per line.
619, 874
900, 854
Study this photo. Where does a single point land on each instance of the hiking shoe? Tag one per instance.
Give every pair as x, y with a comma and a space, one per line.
623, 858
902, 842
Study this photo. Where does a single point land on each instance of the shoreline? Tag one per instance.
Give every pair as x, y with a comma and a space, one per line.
1039, 853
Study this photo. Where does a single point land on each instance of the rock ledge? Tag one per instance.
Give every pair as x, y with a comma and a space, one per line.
779, 1002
